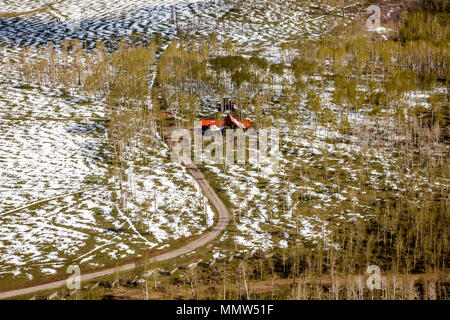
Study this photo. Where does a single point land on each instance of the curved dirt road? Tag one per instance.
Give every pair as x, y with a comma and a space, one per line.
222, 223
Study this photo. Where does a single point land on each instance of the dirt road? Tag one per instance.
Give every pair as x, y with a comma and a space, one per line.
222, 222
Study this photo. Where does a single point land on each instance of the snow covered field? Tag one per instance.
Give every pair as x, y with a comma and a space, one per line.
58, 204
257, 26
320, 183
58, 198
